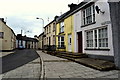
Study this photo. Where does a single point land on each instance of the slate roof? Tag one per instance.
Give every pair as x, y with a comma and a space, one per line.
68, 13
19, 37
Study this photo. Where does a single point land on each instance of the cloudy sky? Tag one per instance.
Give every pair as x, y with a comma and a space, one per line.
21, 14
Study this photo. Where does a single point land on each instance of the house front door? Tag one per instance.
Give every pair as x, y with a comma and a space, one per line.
69, 43
79, 42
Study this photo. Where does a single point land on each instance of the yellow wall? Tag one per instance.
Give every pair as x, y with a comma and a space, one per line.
68, 29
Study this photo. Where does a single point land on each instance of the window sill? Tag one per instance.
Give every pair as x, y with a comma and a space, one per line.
100, 49
61, 32
88, 24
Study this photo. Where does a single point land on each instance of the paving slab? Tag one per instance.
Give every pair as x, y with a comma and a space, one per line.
71, 70
96, 63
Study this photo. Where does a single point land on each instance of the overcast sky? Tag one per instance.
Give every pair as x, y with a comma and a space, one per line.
21, 14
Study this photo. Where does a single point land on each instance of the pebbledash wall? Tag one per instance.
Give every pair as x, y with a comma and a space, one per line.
102, 21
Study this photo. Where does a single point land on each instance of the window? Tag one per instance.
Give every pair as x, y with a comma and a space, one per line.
47, 40
45, 31
61, 27
53, 40
1, 34
49, 28
60, 41
89, 39
97, 38
103, 39
89, 15
54, 26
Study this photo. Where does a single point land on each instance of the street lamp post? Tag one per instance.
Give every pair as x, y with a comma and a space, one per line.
42, 21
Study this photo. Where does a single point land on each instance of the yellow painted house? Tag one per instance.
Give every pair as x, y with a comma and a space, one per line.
65, 32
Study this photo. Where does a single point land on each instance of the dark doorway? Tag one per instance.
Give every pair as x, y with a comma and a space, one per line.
79, 42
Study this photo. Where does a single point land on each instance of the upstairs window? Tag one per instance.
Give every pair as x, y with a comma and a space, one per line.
45, 30
61, 27
54, 26
1, 34
49, 28
88, 15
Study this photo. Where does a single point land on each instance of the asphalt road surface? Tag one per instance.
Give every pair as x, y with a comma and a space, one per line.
17, 59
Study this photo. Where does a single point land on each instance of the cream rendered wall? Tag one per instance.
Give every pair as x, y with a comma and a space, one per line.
47, 35
9, 39
50, 34
57, 32
45, 38
1, 31
40, 42
100, 18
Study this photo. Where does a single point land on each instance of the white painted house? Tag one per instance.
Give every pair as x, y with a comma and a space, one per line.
92, 29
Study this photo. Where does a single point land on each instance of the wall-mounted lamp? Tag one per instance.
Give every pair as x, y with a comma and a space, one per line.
99, 10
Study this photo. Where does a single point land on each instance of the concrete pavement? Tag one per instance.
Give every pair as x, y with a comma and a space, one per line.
60, 68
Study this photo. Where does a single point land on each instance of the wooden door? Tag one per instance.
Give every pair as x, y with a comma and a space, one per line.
80, 42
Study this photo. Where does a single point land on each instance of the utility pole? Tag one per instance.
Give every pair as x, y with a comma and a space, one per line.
43, 23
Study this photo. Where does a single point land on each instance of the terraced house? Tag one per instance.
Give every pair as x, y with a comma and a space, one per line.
93, 31
49, 34
7, 37
40, 42
64, 31
26, 42
86, 28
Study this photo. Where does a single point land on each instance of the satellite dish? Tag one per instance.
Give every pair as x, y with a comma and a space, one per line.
97, 9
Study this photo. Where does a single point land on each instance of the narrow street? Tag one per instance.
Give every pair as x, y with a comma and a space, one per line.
59, 68
26, 65
22, 64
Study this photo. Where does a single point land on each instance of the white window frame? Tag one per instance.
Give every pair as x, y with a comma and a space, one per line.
62, 27
104, 38
89, 39
97, 38
60, 41
88, 15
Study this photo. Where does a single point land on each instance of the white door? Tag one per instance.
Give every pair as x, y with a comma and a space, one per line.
69, 43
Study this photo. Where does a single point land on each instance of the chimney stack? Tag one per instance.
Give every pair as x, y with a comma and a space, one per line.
72, 6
